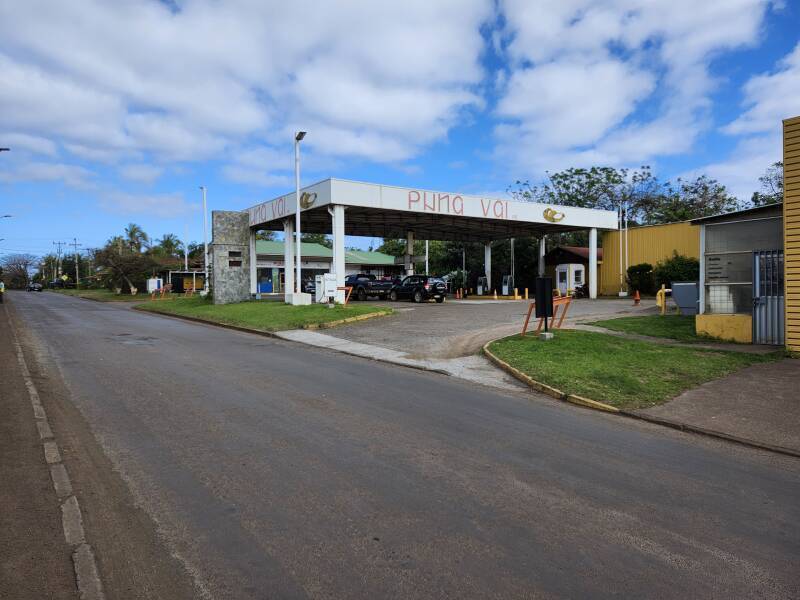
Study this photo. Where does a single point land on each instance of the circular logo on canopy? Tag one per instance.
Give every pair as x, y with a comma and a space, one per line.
307, 199
552, 215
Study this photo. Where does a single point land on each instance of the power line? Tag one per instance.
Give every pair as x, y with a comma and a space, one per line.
75, 245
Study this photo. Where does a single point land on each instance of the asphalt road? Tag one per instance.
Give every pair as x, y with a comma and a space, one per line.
273, 470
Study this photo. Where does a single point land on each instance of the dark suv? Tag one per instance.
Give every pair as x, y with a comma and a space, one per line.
419, 288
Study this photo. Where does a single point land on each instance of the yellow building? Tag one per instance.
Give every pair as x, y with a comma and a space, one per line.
791, 229
649, 244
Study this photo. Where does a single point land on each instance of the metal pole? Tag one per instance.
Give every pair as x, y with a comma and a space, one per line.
205, 241
626, 240
185, 247
427, 272
619, 230
298, 277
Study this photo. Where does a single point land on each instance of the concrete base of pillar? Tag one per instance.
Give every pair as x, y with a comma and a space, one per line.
544, 336
301, 299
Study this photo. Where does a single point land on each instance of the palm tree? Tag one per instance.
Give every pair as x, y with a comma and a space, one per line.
170, 244
136, 237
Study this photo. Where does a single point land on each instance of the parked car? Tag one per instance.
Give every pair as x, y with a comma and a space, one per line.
365, 286
35, 287
419, 288
309, 286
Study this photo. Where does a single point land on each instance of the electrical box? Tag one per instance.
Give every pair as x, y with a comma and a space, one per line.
154, 284
325, 285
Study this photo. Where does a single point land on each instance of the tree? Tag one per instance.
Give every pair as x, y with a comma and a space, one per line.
771, 186
135, 237
123, 270
168, 245
701, 197
316, 238
265, 235
17, 269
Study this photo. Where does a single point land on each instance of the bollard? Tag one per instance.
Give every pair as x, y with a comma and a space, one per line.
495, 294
516, 294
526, 293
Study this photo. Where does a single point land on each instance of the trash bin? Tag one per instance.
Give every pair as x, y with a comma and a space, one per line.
685, 295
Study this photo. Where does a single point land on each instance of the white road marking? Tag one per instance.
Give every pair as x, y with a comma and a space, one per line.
88, 579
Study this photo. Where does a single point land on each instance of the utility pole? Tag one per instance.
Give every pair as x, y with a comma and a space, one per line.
75, 245
58, 245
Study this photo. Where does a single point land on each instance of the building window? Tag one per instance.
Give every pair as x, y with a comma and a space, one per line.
235, 254
234, 263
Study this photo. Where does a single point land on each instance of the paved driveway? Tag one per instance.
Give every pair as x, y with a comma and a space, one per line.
461, 328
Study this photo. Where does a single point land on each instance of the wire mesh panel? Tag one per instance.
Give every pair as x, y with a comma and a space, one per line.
768, 297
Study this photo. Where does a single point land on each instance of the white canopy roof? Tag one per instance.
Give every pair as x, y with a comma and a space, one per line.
376, 210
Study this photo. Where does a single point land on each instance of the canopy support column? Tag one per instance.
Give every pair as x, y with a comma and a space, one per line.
487, 263
288, 260
593, 263
337, 213
409, 253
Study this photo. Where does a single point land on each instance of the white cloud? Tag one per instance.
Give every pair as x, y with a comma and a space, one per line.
768, 99
159, 205
581, 69
142, 173
72, 175
30, 143
126, 80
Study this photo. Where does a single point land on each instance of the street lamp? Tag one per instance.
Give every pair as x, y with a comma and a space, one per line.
205, 242
298, 137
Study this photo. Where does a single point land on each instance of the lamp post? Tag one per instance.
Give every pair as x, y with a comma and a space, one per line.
205, 242
298, 137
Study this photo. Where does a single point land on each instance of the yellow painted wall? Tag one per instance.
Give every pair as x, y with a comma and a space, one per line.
791, 229
735, 328
650, 244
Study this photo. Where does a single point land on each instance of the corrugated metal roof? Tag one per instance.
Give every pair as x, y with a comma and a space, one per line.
309, 250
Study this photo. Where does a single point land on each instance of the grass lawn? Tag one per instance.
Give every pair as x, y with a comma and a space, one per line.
102, 295
261, 315
674, 327
621, 372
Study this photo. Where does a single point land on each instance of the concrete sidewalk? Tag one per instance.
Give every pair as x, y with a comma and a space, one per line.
759, 404
474, 368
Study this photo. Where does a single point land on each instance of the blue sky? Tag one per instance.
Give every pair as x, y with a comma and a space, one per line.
117, 111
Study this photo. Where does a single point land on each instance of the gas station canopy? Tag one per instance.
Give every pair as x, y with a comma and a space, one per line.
375, 210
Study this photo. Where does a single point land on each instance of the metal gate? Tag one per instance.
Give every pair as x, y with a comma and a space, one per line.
768, 301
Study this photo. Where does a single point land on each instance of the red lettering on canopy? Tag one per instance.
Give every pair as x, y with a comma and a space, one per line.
485, 206
498, 209
411, 199
458, 205
428, 206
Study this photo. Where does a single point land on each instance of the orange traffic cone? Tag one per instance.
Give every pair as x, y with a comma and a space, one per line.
636, 298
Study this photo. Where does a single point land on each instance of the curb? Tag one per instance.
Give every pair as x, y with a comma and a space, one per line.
546, 389
595, 405
272, 334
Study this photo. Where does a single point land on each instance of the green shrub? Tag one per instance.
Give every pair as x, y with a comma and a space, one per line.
640, 277
676, 268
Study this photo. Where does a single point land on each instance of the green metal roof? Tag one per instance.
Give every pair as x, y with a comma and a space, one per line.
353, 257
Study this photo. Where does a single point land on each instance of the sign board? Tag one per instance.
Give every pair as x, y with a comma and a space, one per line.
451, 204
544, 297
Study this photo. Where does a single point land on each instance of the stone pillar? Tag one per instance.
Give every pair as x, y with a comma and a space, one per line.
253, 263
487, 264
593, 263
230, 256
337, 212
288, 259
409, 253
542, 247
